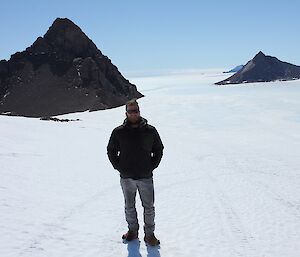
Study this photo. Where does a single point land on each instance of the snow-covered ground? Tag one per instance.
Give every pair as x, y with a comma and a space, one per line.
228, 184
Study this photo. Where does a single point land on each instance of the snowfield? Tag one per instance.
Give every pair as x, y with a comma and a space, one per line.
228, 184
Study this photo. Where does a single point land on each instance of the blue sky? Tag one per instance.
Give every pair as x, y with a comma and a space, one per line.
163, 35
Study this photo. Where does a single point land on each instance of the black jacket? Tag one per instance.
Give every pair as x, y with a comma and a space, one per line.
135, 152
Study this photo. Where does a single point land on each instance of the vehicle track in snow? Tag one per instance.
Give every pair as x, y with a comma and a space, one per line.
232, 225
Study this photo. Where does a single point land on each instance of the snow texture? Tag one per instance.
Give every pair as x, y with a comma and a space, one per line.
228, 184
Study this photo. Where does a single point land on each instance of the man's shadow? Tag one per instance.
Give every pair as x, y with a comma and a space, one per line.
153, 251
133, 248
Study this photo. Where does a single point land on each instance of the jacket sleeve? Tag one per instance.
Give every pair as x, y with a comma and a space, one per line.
113, 149
157, 150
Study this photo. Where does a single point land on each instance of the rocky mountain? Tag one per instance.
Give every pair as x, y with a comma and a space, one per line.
61, 72
263, 68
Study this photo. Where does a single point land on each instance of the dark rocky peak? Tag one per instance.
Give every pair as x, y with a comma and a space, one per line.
263, 68
260, 53
61, 72
65, 36
63, 42
259, 57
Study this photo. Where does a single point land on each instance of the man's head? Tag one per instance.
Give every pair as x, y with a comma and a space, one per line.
133, 111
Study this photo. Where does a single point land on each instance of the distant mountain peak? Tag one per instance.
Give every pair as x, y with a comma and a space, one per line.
260, 55
263, 68
235, 69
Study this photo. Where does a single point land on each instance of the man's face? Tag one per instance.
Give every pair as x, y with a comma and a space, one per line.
133, 113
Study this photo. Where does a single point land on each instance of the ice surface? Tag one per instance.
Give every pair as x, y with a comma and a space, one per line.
228, 184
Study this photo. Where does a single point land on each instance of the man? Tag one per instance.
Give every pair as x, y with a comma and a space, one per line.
135, 150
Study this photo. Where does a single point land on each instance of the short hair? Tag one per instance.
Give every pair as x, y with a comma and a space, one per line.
132, 102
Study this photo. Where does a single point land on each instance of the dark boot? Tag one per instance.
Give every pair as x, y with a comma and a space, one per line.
151, 240
130, 235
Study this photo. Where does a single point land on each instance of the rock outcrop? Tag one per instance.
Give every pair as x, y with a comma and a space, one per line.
263, 68
61, 72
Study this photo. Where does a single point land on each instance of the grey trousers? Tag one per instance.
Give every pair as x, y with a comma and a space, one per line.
146, 192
